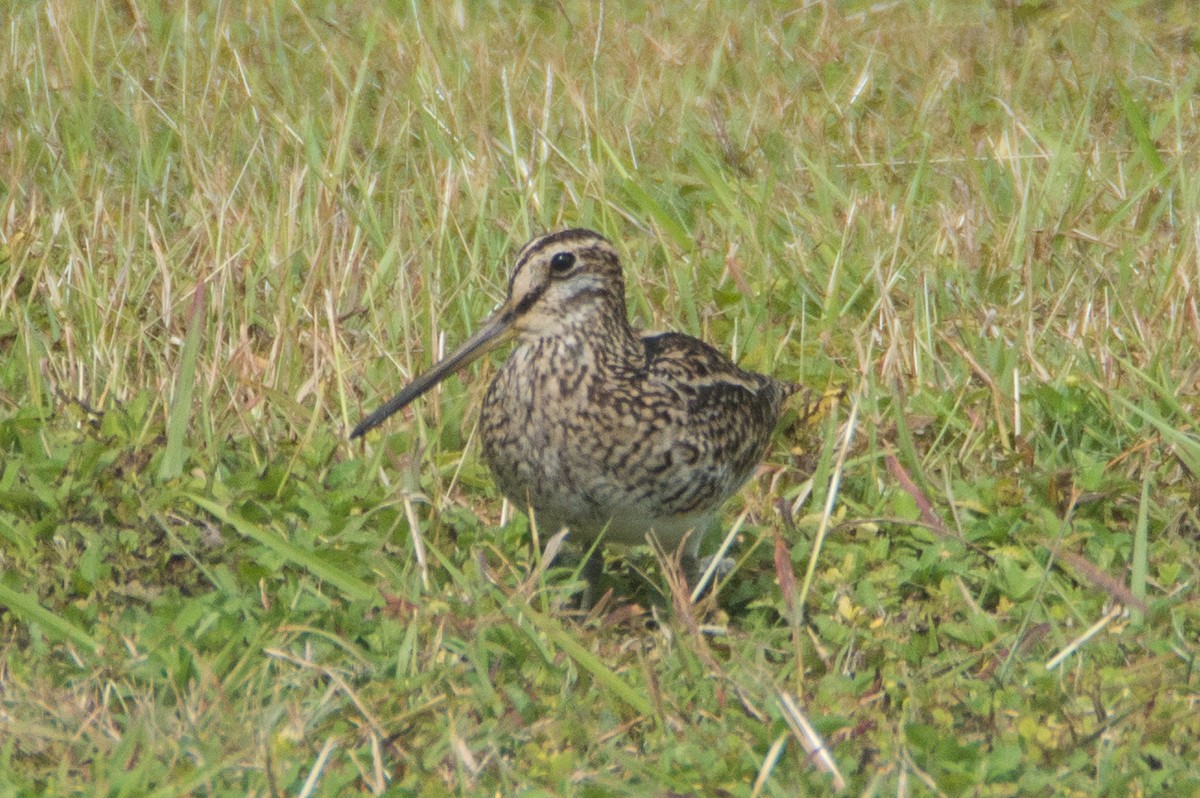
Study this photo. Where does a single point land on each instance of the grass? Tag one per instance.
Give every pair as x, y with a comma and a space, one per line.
227, 232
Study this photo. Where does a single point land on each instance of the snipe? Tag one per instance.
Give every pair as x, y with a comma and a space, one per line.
600, 429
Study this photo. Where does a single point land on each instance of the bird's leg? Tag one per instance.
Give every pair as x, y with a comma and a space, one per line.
690, 565
593, 572
694, 566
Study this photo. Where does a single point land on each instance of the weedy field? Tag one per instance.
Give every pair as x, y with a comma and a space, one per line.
228, 231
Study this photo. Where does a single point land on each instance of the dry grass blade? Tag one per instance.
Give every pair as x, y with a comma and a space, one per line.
1090, 633
807, 736
418, 541
924, 505
784, 572
714, 562
314, 774
1098, 578
768, 764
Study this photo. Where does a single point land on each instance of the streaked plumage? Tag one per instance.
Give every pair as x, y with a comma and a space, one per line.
595, 427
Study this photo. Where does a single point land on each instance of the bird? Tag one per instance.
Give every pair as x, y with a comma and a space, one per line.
592, 426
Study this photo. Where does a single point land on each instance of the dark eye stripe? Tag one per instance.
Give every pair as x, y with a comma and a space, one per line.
529, 300
584, 297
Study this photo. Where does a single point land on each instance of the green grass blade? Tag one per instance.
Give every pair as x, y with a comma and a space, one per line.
56, 626
585, 659
1185, 446
1139, 128
175, 454
646, 203
351, 585
1139, 565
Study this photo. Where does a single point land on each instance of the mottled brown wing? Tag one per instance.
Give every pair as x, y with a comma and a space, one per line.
724, 416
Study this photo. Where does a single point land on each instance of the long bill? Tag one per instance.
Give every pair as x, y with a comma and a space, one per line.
493, 333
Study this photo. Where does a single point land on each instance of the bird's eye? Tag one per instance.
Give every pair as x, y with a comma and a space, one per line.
562, 262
